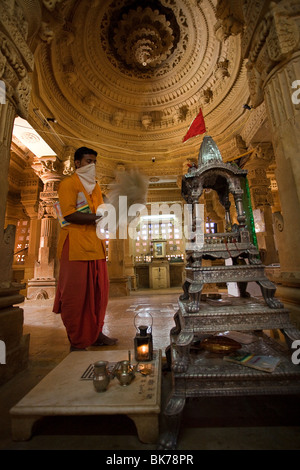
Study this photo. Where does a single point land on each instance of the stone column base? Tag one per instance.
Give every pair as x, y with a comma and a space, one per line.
118, 287
287, 290
16, 360
133, 282
41, 289
290, 296
14, 346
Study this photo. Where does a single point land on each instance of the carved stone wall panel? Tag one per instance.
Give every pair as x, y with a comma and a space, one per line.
283, 37
253, 11
274, 33
14, 30
16, 57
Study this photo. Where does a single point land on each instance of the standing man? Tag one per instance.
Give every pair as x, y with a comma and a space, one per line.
83, 285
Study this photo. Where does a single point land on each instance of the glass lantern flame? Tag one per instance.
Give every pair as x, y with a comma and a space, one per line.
143, 344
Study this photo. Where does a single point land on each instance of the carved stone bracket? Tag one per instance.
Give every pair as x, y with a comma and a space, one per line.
283, 37
15, 76
51, 171
16, 59
229, 18
267, 40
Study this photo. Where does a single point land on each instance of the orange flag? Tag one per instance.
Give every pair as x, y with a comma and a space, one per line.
196, 128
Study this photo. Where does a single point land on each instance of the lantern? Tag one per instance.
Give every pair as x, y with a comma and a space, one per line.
143, 345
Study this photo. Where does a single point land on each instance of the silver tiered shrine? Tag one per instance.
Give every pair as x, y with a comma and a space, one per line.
208, 375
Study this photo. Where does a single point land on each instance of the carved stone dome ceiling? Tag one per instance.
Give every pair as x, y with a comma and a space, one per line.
139, 40
128, 77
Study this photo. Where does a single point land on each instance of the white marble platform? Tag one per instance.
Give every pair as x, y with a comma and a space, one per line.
62, 392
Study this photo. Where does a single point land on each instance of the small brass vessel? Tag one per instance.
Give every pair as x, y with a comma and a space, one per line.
101, 377
125, 372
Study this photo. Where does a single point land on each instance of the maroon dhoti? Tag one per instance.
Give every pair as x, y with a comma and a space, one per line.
81, 298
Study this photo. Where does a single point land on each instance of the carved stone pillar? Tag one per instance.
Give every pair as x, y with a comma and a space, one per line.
16, 64
118, 281
271, 42
129, 263
116, 261
286, 141
43, 284
261, 197
30, 194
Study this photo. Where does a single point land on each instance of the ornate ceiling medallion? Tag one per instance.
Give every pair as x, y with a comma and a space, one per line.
143, 38
140, 38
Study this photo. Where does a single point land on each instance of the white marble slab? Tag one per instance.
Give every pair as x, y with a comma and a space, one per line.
63, 392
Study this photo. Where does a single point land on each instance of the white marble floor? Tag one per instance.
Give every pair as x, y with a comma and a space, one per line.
255, 423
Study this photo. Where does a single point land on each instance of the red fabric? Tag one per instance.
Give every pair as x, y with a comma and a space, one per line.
196, 128
81, 298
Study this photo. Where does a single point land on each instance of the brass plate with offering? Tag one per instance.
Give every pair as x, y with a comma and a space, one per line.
220, 345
